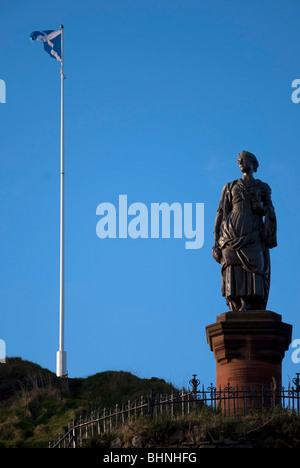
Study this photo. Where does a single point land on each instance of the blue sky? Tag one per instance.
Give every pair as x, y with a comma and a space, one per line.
160, 97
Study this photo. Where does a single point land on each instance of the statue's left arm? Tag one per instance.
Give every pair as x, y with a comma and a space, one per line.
270, 222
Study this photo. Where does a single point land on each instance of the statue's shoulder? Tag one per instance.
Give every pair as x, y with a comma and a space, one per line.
264, 186
229, 186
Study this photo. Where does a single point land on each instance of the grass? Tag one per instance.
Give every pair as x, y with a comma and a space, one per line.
265, 429
35, 406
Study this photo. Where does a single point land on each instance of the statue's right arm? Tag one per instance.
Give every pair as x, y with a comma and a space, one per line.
218, 221
219, 216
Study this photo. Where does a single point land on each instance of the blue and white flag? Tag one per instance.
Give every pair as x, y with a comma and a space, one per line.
51, 40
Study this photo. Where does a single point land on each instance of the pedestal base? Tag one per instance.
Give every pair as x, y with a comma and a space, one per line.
248, 347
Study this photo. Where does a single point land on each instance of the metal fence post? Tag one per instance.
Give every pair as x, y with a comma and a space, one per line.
74, 434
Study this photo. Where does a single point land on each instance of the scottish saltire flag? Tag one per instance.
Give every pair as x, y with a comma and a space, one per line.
51, 40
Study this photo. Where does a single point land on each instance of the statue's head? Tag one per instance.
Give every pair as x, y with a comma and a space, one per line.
250, 157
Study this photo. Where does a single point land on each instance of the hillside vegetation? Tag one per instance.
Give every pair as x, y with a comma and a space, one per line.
35, 405
206, 428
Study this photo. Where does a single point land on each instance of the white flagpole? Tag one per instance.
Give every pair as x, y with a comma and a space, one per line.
61, 355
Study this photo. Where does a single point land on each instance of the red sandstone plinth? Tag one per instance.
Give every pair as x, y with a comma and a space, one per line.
248, 347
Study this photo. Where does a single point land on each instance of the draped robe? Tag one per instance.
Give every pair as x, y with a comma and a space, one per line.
244, 238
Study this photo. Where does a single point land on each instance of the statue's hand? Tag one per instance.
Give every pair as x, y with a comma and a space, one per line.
216, 253
258, 208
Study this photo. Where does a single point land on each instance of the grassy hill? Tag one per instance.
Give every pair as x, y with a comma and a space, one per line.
35, 405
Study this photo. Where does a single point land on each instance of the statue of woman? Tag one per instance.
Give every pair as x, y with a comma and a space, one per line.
245, 230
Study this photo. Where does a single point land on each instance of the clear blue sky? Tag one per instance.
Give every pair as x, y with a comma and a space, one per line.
160, 97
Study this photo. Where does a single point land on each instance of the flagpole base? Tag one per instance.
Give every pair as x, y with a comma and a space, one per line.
61, 364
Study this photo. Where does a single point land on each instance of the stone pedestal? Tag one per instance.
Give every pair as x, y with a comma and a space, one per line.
248, 347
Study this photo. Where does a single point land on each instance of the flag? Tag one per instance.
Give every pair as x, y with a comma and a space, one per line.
51, 40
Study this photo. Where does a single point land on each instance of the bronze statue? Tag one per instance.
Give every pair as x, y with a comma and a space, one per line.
245, 230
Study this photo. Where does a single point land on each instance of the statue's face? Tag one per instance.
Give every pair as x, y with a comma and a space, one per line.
245, 163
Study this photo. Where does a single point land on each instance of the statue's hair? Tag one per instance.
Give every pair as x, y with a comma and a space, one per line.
253, 157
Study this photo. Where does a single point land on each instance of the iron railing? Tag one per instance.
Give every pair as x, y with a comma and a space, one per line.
230, 401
